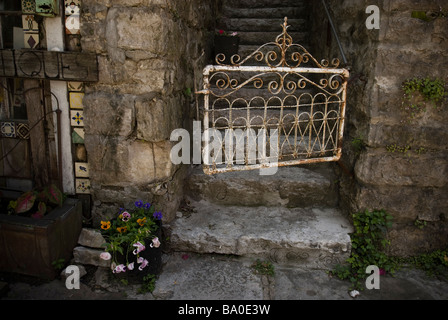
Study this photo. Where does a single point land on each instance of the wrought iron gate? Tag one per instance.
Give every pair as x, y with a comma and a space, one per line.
284, 109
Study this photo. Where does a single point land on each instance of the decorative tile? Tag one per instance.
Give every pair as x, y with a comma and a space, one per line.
78, 135
82, 186
81, 169
77, 118
8, 129
72, 25
28, 6
29, 24
31, 40
75, 99
75, 86
23, 130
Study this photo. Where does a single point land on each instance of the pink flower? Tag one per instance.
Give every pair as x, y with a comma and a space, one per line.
105, 256
155, 243
382, 272
131, 266
143, 263
139, 247
119, 268
221, 31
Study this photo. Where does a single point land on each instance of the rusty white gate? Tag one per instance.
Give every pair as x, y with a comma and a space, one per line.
285, 108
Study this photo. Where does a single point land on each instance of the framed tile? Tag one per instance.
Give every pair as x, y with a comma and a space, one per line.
31, 40
29, 24
82, 169
78, 136
28, 6
22, 130
72, 20
77, 118
71, 5
82, 186
75, 99
72, 25
8, 129
75, 86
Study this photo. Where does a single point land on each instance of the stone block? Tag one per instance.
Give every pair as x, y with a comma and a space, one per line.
157, 118
91, 238
405, 204
381, 168
109, 114
118, 161
89, 256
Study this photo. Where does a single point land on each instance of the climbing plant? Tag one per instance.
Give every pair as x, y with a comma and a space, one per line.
368, 243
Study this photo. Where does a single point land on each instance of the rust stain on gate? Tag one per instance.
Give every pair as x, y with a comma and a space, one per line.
285, 102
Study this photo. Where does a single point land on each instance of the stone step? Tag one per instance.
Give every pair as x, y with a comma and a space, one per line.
278, 13
291, 186
245, 50
307, 237
264, 3
262, 37
262, 25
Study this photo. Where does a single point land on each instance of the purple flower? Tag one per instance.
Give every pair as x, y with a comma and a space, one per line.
143, 262
131, 266
155, 243
139, 247
139, 203
147, 205
120, 268
157, 215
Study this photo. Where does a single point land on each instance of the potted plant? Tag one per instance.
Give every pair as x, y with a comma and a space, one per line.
133, 241
37, 203
225, 46
37, 229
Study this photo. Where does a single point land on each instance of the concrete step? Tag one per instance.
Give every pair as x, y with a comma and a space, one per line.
307, 237
292, 186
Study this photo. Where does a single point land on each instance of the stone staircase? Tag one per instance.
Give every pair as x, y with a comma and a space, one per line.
259, 21
290, 218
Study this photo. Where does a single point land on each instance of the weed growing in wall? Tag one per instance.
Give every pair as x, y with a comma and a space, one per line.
419, 91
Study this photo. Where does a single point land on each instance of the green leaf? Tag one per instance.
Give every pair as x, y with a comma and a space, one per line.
54, 195
42, 208
25, 202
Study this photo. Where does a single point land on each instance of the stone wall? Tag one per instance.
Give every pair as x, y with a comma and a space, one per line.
401, 165
149, 53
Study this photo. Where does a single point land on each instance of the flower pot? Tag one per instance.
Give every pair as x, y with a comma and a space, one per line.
227, 45
152, 255
29, 246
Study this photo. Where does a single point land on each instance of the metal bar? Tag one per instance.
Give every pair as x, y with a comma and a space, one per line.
324, 3
217, 68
